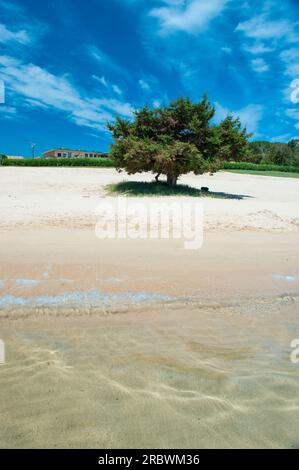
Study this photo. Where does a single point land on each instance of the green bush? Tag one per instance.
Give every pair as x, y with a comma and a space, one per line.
62, 162
258, 167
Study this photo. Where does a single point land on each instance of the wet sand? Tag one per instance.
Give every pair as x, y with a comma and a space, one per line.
140, 343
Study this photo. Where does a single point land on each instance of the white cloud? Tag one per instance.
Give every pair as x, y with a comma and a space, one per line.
102, 80
260, 27
144, 85
258, 48
8, 111
7, 36
259, 65
190, 16
290, 57
281, 138
36, 87
116, 89
104, 60
250, 116
294, 95
227, 50
293, 113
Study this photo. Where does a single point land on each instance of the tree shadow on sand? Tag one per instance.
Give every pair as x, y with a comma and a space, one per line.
142, 188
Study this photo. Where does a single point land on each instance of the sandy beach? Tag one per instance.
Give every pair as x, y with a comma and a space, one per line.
67, 198
141, 343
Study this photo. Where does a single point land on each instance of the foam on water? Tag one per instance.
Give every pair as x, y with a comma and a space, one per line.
282, 277
27, 282
92, 298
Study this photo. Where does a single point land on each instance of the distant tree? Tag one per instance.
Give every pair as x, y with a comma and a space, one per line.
277, 153
281, 154
260, 151
176, 139
294, 145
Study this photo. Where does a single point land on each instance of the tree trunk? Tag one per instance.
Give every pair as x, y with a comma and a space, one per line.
157, 177
172, 180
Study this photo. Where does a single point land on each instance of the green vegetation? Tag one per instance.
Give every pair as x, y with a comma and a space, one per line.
177, 139
270, 153
62, 162
3, 159
154, 188
258, 168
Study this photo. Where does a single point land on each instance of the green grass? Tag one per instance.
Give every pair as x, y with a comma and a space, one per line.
137, 188
282, 174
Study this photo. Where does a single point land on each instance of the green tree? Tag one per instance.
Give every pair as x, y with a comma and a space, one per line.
281, 154
294, 145
3, 158
233, 140
260, 151
175, 139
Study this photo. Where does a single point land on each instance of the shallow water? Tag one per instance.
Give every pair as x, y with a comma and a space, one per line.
177, 374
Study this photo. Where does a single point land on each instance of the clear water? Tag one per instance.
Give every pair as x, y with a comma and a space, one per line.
175, 374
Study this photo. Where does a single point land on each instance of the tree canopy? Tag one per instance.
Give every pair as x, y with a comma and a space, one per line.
176, 139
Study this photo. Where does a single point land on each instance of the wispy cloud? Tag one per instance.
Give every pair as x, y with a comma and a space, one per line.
293, 113
145, 86
259, 65
258, 48
250, 115
112, 87
190, 16
262, 28
116, 89
18, 28
8, 112
7, 36
101, 80
226, 49
290, 58
105, 61
36, 87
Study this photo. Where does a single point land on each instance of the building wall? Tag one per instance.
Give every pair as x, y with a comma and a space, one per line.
66, 153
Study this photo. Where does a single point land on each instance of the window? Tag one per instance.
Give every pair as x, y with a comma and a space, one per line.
59, 155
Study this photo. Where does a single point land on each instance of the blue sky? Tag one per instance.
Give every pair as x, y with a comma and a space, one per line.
69, 66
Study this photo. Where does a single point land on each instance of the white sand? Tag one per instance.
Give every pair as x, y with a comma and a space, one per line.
67, 197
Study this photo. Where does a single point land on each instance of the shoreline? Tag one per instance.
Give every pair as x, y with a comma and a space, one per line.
141, 343
48, 263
